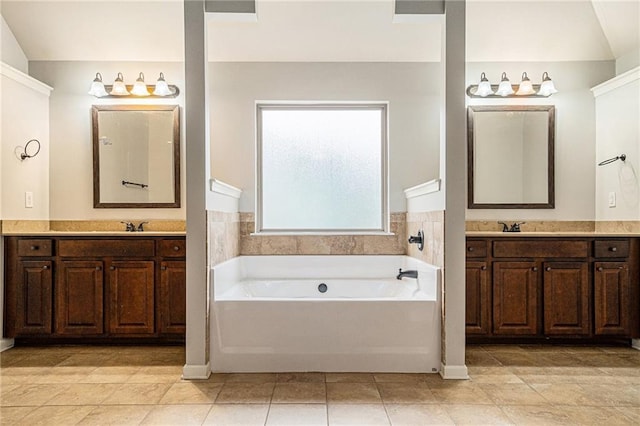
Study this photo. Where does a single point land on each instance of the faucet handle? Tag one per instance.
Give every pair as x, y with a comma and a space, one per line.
129, 226
140, 227
516, 226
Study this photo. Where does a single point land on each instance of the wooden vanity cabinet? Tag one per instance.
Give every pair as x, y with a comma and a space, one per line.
540, 287
95, 288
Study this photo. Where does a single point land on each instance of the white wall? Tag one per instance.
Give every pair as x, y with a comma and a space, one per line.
25, 116
618, 132
412, 89
71, 188
10, 51
575, 136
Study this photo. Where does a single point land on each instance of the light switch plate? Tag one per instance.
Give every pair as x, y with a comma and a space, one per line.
28, 199
612, 199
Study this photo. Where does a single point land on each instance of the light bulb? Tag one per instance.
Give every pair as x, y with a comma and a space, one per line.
119, 89
162, 88
97, 87
484, 87
547, 87
504, 89
525, 88
139, 87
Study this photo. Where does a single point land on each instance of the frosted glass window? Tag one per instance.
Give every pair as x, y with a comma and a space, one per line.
322, 168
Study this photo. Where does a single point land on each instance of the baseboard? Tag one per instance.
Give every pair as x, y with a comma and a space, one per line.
635, 344
196, 372
454, 372
6, 344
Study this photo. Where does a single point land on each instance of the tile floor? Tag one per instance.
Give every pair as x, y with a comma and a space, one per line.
537, 385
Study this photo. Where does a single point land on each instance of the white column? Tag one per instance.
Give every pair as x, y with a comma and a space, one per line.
453, 355
197, 341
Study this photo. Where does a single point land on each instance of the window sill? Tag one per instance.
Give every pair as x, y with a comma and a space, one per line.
318, 233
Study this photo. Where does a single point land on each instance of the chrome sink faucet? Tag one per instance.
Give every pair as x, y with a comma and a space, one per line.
514, 228
130, 227
409, 274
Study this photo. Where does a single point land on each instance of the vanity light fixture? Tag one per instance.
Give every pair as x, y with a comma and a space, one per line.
139, 89
506, 90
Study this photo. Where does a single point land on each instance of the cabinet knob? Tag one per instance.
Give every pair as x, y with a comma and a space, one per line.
98, 268
113, 268
613, 249
34, 247
164, 268
548, 268
600, 268
469, 248
484, 268
176, 248
45, 267
534, 269
620, 267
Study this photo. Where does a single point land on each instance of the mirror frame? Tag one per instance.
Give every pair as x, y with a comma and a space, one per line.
550, 109
95, 109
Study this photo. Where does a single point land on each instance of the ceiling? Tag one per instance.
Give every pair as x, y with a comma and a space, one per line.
324, 30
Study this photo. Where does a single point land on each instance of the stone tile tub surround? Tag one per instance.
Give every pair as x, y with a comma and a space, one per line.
30, 226
432, 225
322, 244
224, 236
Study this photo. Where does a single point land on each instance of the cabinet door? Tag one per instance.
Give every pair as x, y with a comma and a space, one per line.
478, 308
79, 298
173, 293
515, 298
611, 299
566, 298
131, 304
34, 298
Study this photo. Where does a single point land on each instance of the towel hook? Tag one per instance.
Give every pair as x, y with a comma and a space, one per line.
622, 157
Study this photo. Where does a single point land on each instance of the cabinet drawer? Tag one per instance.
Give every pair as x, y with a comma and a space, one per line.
541, 248
100, 248
611, 248
171, 248
476, 248
41, 247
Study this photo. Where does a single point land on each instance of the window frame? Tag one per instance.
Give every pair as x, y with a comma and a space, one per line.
382, 106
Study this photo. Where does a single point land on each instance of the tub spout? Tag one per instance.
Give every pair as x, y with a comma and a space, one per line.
410, 274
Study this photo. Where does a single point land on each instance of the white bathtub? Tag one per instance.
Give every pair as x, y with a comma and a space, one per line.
270, 316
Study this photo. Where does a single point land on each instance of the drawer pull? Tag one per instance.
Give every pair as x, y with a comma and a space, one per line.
98, 268
613, 249
176, 248
469, 248
164, 268
45, 267
484, 268
600, 269
113, 268
34, 247
534, 269
548, 268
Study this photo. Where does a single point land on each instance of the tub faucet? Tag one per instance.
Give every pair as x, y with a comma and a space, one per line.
410, 274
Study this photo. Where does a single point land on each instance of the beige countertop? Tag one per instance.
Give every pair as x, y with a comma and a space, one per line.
93, 234
551, 234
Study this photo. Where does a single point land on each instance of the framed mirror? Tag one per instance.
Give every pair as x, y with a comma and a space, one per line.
136, 156
511, 157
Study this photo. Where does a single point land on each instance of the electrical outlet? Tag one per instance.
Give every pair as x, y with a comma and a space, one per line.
28, 199
612, 199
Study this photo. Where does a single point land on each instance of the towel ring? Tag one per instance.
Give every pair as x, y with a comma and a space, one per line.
25, 155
